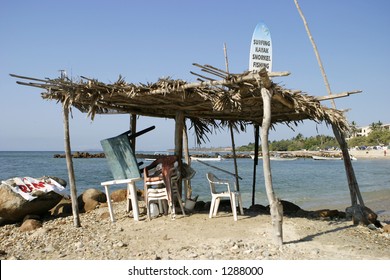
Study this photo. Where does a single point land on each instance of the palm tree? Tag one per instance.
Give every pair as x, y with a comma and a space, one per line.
299, 137
376, 126
353, 128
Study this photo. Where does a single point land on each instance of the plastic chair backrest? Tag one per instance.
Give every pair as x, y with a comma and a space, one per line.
174, 173
120, 157
212, 178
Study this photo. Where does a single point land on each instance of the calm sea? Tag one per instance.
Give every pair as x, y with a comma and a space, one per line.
308, 183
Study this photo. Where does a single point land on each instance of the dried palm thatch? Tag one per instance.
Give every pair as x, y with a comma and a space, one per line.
209, 104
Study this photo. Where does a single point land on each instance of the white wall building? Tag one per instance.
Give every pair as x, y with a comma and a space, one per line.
365, 130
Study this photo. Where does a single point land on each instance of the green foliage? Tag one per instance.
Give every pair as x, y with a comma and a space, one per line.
378, 136
297, 143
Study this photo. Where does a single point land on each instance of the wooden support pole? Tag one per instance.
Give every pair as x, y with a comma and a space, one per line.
275, 205
255, 162
179, 126
187, 160
316, 52
133, 128
234, 157
185, 145
69, 164
230, 124
352, 182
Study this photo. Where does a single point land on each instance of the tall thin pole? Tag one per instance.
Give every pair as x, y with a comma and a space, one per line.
133, 129
231, 127
255, 162
179, 126
187, 159
352, 182
316, 52
69, 164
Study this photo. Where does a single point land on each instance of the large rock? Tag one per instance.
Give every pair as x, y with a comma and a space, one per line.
13, 207
289, 208
258, 208
90, 200
62, 209
119, 195
30, 224
326, 213
361, 215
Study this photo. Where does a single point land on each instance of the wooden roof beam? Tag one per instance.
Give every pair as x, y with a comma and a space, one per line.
248, 77
339, 95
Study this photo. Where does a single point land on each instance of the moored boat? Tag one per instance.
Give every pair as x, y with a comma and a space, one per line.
326, 158
155, 156
278, 157
218, 158
331, 158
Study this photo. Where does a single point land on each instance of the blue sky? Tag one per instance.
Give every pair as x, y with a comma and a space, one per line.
145, 40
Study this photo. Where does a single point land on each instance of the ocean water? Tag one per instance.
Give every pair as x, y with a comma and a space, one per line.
308, 183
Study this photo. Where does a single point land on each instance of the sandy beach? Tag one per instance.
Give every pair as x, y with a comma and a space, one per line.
194, 237
358, 154
370, 154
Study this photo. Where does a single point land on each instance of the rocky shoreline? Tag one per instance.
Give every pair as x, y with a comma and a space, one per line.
359, 154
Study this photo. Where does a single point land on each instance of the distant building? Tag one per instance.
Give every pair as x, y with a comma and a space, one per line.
365, 130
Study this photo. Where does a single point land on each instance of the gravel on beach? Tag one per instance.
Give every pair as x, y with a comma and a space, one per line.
192, 237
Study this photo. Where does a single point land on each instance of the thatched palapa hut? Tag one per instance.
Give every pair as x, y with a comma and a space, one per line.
223, 100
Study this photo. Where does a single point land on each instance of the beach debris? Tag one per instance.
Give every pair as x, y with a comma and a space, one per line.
14, 207
372, 227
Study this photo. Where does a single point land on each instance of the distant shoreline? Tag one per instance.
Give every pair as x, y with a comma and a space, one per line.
359, 154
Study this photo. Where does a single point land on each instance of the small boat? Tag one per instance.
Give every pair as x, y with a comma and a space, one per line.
326, 158
277, 157
218, 158
331, 158
283, 158
156, 155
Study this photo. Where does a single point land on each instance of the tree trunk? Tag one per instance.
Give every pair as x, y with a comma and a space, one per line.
276, 207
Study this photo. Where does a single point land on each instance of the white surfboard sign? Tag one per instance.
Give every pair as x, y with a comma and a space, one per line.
261, 49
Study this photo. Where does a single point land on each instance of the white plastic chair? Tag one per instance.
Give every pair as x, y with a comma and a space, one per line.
216, 196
